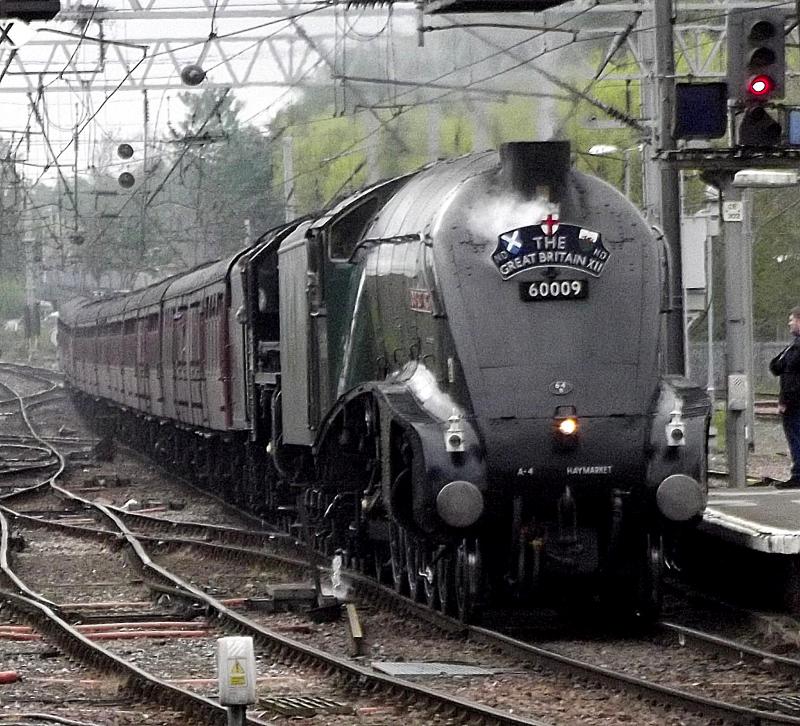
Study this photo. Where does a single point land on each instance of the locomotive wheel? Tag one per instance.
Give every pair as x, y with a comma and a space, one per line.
430, 585
380, 563
413, 562
397, 556
445, 585
467, 580
650, 583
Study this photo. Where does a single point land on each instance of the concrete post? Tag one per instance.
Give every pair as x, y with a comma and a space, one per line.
237, 715
737, 286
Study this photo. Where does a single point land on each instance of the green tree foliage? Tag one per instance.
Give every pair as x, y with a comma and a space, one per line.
616, 146
329, 154
412, 127
321, 137
456, 132
513, 120
12, 201
776, 261
334, 142
192, 200
12, 296
225, 170
106, 232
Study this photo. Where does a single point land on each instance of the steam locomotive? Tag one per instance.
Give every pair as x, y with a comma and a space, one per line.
453, 378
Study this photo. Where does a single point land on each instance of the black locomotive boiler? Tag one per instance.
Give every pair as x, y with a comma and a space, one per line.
455, 376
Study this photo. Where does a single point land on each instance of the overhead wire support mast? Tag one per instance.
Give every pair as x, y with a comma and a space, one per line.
669, 211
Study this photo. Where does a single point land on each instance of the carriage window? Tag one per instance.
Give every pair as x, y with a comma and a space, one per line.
345, 234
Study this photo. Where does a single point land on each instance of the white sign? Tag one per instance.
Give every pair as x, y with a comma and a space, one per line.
694, 231
732, 211
15, 32
236, 670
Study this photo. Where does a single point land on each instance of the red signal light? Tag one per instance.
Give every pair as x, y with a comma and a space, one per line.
760, 86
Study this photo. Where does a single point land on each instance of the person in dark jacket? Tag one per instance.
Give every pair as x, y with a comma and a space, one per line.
787, 365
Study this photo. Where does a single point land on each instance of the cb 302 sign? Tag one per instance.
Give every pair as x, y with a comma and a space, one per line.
553, 290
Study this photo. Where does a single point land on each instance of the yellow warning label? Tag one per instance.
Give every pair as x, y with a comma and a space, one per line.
237, 676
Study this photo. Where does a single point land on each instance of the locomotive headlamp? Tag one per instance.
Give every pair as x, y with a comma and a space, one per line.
566, 426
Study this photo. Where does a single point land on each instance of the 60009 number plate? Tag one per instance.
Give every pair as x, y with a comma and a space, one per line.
553, 290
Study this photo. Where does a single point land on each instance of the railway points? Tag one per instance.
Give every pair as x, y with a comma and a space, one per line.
220, 560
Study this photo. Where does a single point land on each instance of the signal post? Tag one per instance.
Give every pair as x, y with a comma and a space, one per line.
762, 143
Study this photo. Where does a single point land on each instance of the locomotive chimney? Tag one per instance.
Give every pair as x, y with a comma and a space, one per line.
527, 166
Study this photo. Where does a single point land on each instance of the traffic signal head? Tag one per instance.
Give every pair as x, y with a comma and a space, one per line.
756, 55
758, 129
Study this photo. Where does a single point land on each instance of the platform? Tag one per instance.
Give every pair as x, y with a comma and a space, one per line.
763, 519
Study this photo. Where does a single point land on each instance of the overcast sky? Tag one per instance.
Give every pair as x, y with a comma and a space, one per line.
69, 98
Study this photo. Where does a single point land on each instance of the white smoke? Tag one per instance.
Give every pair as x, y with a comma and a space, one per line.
501, 214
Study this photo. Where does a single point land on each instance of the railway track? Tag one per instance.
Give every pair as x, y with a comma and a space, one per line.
527, 654
41, 683
225, 620
194, 550
22, 450
48, 615
32, 385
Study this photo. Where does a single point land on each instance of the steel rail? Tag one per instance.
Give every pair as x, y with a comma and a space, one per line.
305, 653
22, 468
673, 696
367, 588
279, 644
718, 644
7, 439
363, 585
271, 640
223, 532
44, 372
29, 373
709, 707
61, 463
179, 477
8, 572
48, 620
137, 680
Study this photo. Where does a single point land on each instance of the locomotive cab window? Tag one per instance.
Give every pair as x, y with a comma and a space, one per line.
345, 233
